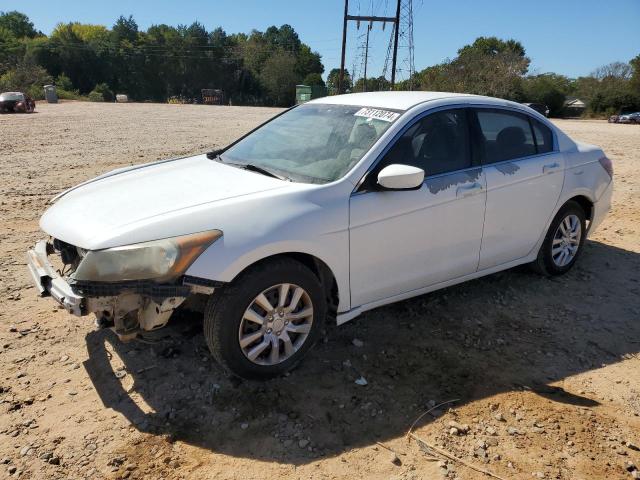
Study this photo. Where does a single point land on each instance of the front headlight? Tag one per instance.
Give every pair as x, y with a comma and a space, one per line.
158, 260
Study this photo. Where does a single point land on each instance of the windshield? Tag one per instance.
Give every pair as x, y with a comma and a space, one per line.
313, 143
11, 96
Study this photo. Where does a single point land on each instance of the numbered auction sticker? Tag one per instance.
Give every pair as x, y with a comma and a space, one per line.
384, 115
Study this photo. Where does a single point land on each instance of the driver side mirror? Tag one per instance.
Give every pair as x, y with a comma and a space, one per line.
400, 177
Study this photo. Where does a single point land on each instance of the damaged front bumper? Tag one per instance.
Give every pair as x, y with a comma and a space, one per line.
48, 282
129, 306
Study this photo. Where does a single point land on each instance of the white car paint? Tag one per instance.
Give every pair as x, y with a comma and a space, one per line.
381, 246
389, 231
518, 189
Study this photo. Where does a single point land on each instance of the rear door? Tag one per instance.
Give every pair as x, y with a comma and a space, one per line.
524, 174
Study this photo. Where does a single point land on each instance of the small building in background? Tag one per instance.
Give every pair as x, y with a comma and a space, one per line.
304, 93
574, 107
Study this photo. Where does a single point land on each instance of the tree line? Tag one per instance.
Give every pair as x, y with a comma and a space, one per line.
500, 68
259, 68
262, 68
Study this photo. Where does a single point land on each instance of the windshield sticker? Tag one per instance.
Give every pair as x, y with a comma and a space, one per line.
384, 115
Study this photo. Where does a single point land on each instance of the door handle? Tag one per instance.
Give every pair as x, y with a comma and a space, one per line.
469, 190
550, 167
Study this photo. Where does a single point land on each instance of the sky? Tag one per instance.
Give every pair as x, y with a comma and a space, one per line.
571, 37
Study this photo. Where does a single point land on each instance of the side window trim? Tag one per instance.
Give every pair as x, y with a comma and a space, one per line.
359, 188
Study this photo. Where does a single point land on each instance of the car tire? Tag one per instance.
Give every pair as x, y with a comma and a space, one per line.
233, 335
567, 234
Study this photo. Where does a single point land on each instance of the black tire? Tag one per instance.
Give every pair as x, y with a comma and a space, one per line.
227, 306
545, 264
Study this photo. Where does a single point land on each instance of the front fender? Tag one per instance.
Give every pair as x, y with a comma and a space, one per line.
223, 261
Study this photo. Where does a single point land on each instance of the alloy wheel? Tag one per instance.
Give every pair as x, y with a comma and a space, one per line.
276, 324
566, 240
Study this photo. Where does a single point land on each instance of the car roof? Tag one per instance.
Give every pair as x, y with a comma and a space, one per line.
398, 100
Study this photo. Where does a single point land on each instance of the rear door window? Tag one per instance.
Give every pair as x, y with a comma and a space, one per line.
504, 135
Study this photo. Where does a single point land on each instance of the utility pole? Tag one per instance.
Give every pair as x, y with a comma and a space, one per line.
344, 47
395, 46
366, 59
371, 19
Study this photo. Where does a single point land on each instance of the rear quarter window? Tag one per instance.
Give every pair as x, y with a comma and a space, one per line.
544, 136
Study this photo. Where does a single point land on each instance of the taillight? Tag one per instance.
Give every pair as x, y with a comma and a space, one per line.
607, 165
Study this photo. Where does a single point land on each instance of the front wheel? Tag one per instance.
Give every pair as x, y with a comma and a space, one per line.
263, 323
563, 243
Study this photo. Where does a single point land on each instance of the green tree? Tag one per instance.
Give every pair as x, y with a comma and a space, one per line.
308, 61
374, 84
313, 79
609, 89
279, 78
489, 66
11, 49
493, 47
333, 80
635, 76
26, 77
164, 60
18, 24
549, 89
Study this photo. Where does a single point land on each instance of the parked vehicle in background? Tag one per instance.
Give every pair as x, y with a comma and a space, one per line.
332, 208
16, 102
629, 118
624, 116
539, 107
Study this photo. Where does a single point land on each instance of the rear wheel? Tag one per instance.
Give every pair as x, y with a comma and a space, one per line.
263, 323
564, 240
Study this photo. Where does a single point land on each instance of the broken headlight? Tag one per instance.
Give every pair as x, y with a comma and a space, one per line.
159, 260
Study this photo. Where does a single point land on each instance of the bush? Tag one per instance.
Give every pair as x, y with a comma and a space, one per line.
69, 94
95, 96
35, 92
104, 90
25, 77
64, 83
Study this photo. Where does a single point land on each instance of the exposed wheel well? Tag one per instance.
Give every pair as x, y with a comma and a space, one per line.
320, 269
586, 204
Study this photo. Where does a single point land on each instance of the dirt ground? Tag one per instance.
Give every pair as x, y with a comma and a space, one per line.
545, 373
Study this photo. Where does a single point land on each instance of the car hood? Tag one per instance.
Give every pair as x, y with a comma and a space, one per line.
150, 202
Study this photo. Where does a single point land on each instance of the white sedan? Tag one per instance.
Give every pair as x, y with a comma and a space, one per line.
329, 209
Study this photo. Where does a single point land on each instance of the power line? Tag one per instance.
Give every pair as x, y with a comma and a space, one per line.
370, 19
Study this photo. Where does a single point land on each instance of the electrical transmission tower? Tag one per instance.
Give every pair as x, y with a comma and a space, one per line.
406, 43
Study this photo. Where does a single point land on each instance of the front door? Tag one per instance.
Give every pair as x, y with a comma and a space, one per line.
406, 240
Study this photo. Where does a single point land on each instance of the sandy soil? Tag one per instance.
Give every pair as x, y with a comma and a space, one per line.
545, 372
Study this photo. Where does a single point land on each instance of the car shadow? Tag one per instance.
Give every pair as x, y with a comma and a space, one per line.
509, 331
